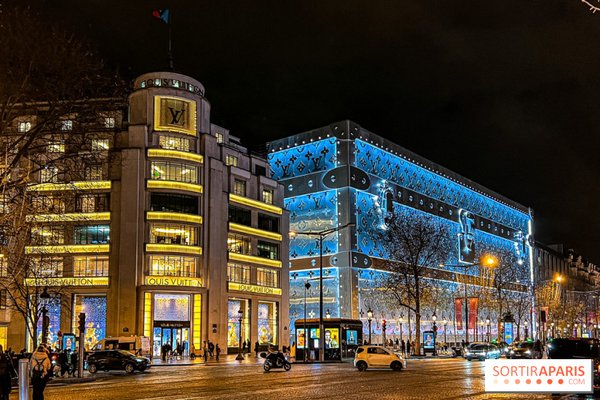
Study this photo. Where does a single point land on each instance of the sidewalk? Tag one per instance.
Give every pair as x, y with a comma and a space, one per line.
224, 359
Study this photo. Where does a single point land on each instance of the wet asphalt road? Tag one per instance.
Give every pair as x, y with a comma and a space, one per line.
423, 379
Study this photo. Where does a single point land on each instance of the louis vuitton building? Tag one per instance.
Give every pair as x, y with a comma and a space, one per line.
176, 235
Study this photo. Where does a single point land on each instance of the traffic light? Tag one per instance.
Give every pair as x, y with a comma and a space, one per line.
81, 322
383, 322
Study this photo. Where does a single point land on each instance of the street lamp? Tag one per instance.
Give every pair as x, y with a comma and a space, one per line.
434, 317
487, 261
327, 314
400, 320
306, 287
575, 326
369, 319
45, 297
322, 235
526, 331
487, 322
240, 356
445, 341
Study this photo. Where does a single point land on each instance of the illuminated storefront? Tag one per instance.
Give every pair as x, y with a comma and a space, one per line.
94, 307
237, 309
343, 174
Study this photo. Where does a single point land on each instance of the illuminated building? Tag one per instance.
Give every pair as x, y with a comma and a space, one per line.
175, 230
342, 174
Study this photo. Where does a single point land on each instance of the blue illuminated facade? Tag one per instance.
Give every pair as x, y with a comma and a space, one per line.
343, 173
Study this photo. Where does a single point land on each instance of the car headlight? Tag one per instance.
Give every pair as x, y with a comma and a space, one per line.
528, 352
512, 352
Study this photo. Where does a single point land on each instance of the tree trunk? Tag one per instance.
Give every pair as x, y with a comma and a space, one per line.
418, 332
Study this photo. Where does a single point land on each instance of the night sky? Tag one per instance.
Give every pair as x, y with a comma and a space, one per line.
505, 93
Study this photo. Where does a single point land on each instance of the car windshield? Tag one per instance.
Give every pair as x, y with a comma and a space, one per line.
525, 345
124, 353
480, 347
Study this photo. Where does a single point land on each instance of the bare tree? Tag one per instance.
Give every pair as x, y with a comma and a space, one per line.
414, 246
594, 5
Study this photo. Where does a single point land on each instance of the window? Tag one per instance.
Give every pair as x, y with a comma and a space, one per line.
170, 171
46, 266
173, 266
93, 172
173, 203
92, 203
90, 266
47, 235
56, 147
3, 267
239, 216
238, 244
49, 174
267, 196
91, 234
239, 187
219, 137
100, 144
268, 250
231, 160
268, 223
66, 125
3, 301
238, 273
24, 126
174, 143
109, 122
260, 170
173, 234
48, 204
3, 203
266, 277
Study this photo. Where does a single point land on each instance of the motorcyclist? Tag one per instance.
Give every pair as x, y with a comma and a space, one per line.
276, 358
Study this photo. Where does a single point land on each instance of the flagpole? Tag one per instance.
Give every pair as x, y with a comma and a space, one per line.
171, 65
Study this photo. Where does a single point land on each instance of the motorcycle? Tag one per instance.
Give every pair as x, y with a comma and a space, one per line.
276, 360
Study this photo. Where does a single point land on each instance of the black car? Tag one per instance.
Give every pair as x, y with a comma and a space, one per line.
525, 349
116, 360
577, 348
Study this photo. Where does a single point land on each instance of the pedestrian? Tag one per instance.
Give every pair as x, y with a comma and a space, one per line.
293, 351
6, 374
40, 372
211, 349
218, 351
205, 351
248, 345
403, 347
256, 348
63, 361
74, 362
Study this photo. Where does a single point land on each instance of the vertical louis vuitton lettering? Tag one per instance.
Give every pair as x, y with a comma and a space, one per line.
173, 114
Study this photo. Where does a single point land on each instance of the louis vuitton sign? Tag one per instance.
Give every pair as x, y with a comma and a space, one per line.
174, 114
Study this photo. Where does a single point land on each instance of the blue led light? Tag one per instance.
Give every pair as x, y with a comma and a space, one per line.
304, 159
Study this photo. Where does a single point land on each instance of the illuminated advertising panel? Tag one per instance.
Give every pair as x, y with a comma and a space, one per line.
332, 338
351, 337
301, 338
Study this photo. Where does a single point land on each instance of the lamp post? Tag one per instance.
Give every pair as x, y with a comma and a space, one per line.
526, 330
369, 319
45, 297
552, 329
400, 320
575, 326
434, 317
306, 287
240, 356
322, 235
487, 322
445, 324
488, 261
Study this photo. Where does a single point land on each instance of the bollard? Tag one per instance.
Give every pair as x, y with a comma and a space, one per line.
23, 379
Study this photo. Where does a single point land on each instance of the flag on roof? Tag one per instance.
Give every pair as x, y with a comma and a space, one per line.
162, 15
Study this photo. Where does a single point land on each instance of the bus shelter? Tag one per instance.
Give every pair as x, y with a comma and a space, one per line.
341, 338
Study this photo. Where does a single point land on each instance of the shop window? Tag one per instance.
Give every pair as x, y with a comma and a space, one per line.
171, 171
92, 202
91, 234
171, 142
173, 266
234, 306
240, 215
238, 244
174, 203
47, 235
42, 267
171, 307
231, 160
267, 277
53, 307
94, 307
238, 273
219, 137
56, 147
3, 336
90, 266
267, 196
267, 322
66, 125
239, 187
100, 144
173, 234
109, 122
49, 174
268, 223
268, 250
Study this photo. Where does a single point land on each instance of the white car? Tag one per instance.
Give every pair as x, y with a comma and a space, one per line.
377, 357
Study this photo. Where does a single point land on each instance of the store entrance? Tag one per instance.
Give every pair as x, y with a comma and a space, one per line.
171, 333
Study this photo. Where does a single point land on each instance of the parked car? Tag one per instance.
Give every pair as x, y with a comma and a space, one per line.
377, 357
482, 351
525, 349
577, 348
108, 360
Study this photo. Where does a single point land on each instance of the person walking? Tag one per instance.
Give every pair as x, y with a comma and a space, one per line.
6, 373
403, 347
211, 349
205, 351
217, 351
74, 363
256, 346
40, 372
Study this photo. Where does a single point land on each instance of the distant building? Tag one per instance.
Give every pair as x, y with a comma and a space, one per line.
342, 173
175, 233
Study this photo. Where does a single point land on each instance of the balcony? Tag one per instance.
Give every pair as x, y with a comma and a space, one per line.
65, 281
81, 185
176, 154
69, 217
234, 198
173, 248
173, 216
254, 231
68, 249
254, 260
174, 185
